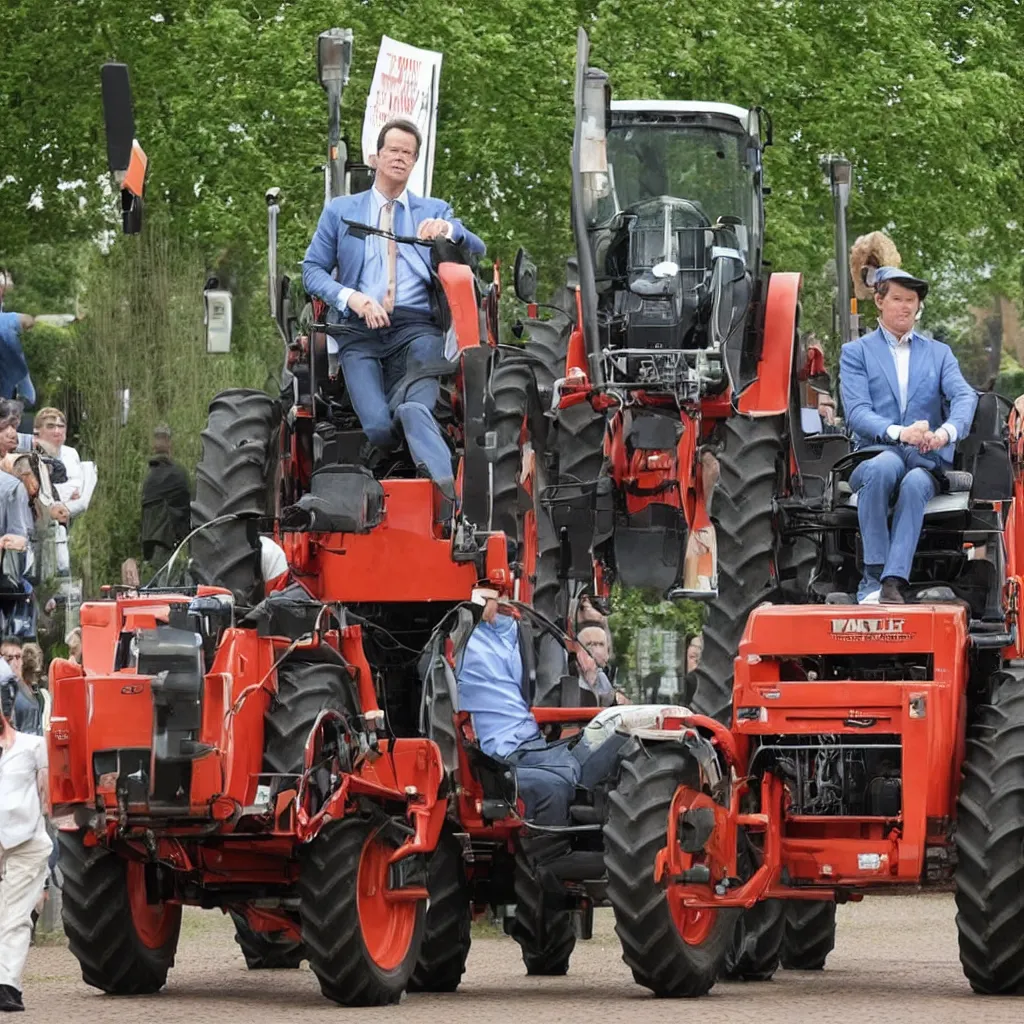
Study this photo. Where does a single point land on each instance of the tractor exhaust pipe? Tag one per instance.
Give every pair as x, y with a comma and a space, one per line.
840, 175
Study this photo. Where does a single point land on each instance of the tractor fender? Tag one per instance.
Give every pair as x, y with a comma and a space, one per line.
769, 394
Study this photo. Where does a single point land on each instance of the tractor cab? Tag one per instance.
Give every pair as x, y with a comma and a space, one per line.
674, 224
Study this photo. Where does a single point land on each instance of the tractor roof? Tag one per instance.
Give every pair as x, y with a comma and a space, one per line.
748, 119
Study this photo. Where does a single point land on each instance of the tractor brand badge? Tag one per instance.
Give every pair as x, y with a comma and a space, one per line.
134, 688
865, 629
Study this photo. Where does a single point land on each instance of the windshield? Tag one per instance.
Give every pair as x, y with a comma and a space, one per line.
712, 167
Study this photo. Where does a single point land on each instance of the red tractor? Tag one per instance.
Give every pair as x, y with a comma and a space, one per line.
298, 758
261, 754
868, 749
674, 369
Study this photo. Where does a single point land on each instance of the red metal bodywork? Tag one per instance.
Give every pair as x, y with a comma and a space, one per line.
773, 696
674, 477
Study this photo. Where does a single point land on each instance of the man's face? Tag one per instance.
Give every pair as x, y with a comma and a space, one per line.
397, 157
11, 653
693, 654
8, 439
53, 431
897, 309
596, 643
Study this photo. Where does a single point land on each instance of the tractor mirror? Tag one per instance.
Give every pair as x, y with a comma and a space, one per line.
360, 178
525, 276
117, 116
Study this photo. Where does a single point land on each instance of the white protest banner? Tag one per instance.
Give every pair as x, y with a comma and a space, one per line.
405, 84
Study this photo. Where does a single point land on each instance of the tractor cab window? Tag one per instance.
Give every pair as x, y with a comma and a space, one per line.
668, 161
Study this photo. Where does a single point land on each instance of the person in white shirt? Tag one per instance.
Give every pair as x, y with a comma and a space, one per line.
51, 428
24, 847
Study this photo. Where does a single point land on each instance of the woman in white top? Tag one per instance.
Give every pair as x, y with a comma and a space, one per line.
24, 846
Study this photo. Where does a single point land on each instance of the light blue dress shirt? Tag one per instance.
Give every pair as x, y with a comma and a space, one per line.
490, 681
411, 276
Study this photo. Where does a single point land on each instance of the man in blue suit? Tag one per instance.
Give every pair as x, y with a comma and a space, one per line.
382, 296
905, 396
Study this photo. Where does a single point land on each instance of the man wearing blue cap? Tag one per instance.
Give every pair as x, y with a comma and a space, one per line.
904, 395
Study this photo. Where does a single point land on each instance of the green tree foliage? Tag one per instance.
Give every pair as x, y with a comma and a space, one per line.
145, 336
926, 97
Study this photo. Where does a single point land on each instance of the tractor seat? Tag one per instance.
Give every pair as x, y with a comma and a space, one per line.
957, 500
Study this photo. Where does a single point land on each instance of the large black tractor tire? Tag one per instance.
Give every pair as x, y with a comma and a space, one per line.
810, 934
578, 446
546, 936
653, 944
124, 946
757, 943
266, 951
511, 385
741, 508
448, 929
362, 948
989, 839
235, 475
304, 689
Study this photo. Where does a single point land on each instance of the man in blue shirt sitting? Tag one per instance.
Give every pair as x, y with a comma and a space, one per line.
382, 297
491, 689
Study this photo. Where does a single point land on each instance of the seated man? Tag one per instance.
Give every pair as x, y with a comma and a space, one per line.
903, 394
383, 296
492, 690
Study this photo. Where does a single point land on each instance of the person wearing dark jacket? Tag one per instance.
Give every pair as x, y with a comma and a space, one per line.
165, 502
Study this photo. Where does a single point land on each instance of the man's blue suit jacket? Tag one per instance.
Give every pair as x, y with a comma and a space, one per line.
333, 244
936, 390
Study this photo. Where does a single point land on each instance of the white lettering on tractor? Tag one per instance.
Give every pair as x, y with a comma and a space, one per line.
864, 628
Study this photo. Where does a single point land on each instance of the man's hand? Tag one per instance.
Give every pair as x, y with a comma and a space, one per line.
12, 542
60, 513
827, 409
430, 229
587, 665
372, 312
915, 433
933, 441
621, 698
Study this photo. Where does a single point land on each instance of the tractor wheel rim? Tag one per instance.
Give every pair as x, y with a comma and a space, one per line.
387, 926
154, 924
694, 924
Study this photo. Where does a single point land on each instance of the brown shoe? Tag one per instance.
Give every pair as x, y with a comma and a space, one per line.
892, 591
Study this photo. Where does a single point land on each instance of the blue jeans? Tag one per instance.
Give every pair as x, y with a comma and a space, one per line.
547, 775
375, 362
875, 481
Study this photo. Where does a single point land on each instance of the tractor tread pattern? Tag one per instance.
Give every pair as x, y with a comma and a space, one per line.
448, 929
266, 951
741, 507
234, 476
98, 923
331, 928
634, 832
546, 937
989, 840
757, 943
810, 934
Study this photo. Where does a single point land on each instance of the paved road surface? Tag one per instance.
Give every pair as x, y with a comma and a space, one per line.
895, 960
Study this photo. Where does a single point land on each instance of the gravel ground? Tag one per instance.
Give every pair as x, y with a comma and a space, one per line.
895, 959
